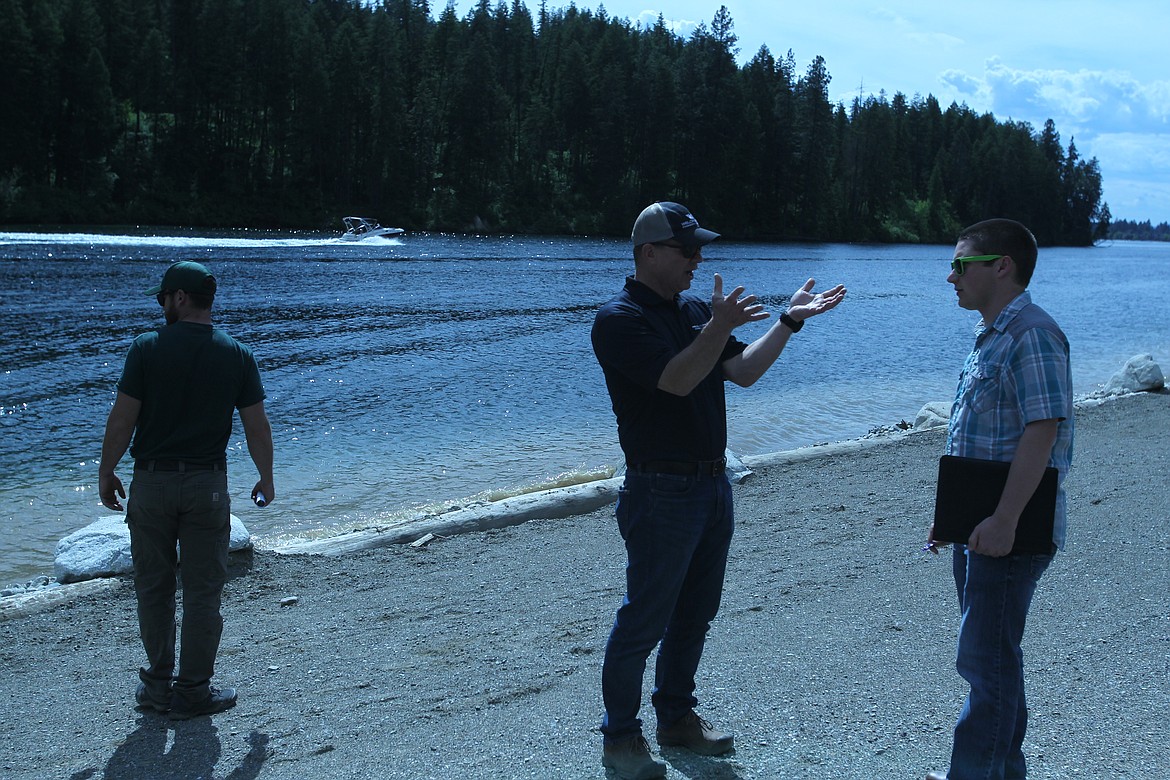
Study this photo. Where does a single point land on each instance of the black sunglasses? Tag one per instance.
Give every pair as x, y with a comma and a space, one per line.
688, 252
162, 297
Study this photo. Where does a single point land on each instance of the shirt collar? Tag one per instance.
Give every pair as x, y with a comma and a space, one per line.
643, 295
1008, 314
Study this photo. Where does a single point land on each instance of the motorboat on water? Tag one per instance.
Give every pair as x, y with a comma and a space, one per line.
357, 228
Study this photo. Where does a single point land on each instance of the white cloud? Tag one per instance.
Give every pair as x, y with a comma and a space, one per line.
1108, 101
970, 89
646, 19
680, 27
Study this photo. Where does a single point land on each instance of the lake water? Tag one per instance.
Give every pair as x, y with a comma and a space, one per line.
423, 372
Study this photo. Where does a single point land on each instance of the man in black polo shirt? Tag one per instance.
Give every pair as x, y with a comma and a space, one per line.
179, 390
665, 356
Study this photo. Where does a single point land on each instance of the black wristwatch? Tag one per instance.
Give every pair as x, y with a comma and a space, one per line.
793, 325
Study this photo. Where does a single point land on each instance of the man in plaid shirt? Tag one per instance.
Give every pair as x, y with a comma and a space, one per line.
1013, 404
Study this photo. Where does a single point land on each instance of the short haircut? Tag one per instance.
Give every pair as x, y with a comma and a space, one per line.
201, 301
1004, 237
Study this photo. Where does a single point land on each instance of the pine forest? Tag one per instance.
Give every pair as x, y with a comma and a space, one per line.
286, 114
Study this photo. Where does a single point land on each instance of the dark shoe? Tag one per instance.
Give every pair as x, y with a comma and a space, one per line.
696, 735
936, 776
216, 701
630, 758
152, 698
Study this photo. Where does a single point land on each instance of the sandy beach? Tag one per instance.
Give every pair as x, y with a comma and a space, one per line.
478, 656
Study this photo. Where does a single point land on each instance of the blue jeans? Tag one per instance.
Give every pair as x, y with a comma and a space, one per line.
191, 511
677, 532
994, 596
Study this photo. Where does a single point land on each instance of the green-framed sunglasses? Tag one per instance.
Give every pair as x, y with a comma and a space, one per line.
958, 265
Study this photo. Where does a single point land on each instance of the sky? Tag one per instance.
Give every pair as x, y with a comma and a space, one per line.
1099, 70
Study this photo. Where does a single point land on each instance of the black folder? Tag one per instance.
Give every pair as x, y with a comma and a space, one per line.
968, 492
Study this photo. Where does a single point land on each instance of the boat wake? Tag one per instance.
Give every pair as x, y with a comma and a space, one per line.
207, 241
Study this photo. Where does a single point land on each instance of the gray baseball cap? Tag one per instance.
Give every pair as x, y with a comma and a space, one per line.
664, 221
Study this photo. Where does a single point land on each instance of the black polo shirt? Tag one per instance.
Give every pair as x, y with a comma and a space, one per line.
190, 378
634, 336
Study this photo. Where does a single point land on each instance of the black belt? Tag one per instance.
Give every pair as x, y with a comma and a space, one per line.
178, 465
682, 468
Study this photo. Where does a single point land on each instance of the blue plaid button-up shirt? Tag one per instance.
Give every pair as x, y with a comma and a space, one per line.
1018, 373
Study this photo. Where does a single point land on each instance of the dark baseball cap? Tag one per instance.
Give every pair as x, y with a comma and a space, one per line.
188, 276
664, 221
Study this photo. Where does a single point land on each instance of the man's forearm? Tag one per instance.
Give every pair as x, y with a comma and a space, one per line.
1027, 469
119, 430
114, 445
755, 361
688, 368
261, 450
258, 432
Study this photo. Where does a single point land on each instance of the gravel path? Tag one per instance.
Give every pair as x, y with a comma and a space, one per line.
479, 656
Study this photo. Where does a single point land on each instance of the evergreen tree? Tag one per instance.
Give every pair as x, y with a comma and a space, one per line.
815, 158
17, 85
268, 112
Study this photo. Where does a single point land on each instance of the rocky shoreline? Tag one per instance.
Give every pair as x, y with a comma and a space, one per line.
478, 655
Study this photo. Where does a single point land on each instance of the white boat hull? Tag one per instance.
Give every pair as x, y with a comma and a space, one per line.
383, 232
361, 228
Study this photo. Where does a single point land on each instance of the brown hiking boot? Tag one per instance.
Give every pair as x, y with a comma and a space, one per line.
696, 735
630, 758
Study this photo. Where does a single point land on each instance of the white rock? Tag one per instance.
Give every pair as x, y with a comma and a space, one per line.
737, 470
934, 415
1139, 374
102, 549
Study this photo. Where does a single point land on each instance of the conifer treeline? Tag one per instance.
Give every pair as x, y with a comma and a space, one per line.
1127, 230
289, 113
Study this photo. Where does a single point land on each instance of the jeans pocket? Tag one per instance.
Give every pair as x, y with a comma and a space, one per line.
622, 511
671, 485
1040, 564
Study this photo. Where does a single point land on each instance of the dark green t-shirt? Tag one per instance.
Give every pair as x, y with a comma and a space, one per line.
190, 379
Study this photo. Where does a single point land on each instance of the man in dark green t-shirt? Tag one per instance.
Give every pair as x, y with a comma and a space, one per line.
179, 389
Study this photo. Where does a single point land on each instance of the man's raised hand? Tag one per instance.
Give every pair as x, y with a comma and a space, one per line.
805, 304
731, 311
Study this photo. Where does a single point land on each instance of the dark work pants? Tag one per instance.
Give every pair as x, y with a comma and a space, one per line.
189, 510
